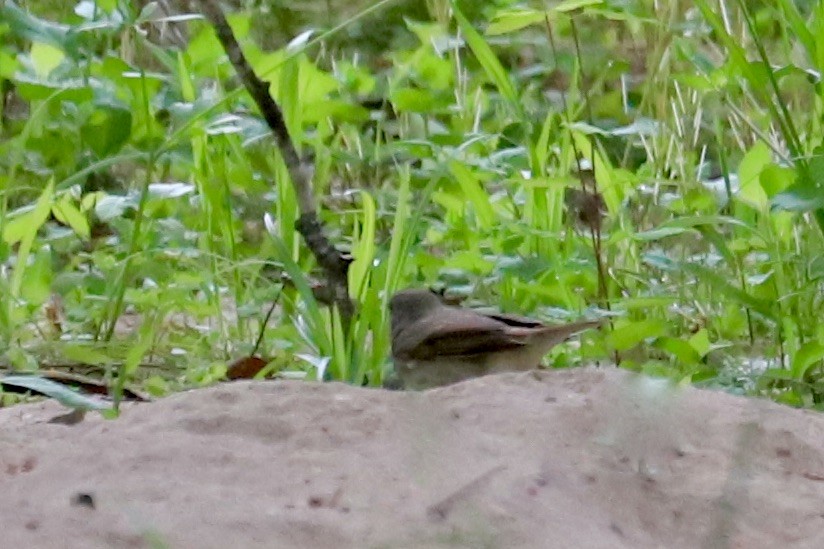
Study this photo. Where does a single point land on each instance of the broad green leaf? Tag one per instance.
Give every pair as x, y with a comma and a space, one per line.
315, 84
809, 353
775, 179
680, 349
8, 65
23, 229
45, 58
701, 342
64, 89
17, 224
336, 109
799, 198
512, 20
413, 100
468, 261
35, 287
435, 73
107, 129
57, 391
631, 334
112, 206
815, 269
66, 212
26, 25
289, 98
753, 163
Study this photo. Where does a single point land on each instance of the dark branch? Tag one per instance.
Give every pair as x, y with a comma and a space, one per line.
334, 263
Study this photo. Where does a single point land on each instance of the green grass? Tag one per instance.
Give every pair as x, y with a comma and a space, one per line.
147, 219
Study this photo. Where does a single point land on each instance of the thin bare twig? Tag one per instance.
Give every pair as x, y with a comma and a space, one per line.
595, 232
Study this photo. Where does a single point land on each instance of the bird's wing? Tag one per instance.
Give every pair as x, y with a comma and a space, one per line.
515, 320
456, 332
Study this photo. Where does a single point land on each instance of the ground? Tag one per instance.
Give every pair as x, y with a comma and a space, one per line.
590, 458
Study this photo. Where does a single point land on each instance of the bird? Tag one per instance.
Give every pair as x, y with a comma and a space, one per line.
436, 344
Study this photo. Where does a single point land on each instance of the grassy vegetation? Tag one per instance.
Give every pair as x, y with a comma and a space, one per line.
148, 223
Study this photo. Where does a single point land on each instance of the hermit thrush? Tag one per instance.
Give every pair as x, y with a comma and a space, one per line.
437, 344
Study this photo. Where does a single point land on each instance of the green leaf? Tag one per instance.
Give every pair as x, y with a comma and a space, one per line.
28, 26
809, 353
336, 109
23, 229
699, 220
659, 233
753, 163
113, 206
631, 334
799, 28
571, 5
404, 227
775, 179
85, 354
701, 342
512, 20
66, 212
779, 374
45, 58
474, 192
722, 284
680, 349
660, 261
57, 391
738, 56
289, 98
815, 269
8, 65
64, 89
493, 68
364, 248
799, 198
107, 129
312, 316
414, 100
36, 285
645, 302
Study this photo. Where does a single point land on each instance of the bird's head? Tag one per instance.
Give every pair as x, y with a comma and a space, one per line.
408, 306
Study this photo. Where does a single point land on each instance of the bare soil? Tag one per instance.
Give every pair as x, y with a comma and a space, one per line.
589, 458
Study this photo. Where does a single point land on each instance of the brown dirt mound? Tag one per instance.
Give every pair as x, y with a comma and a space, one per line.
572, 458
